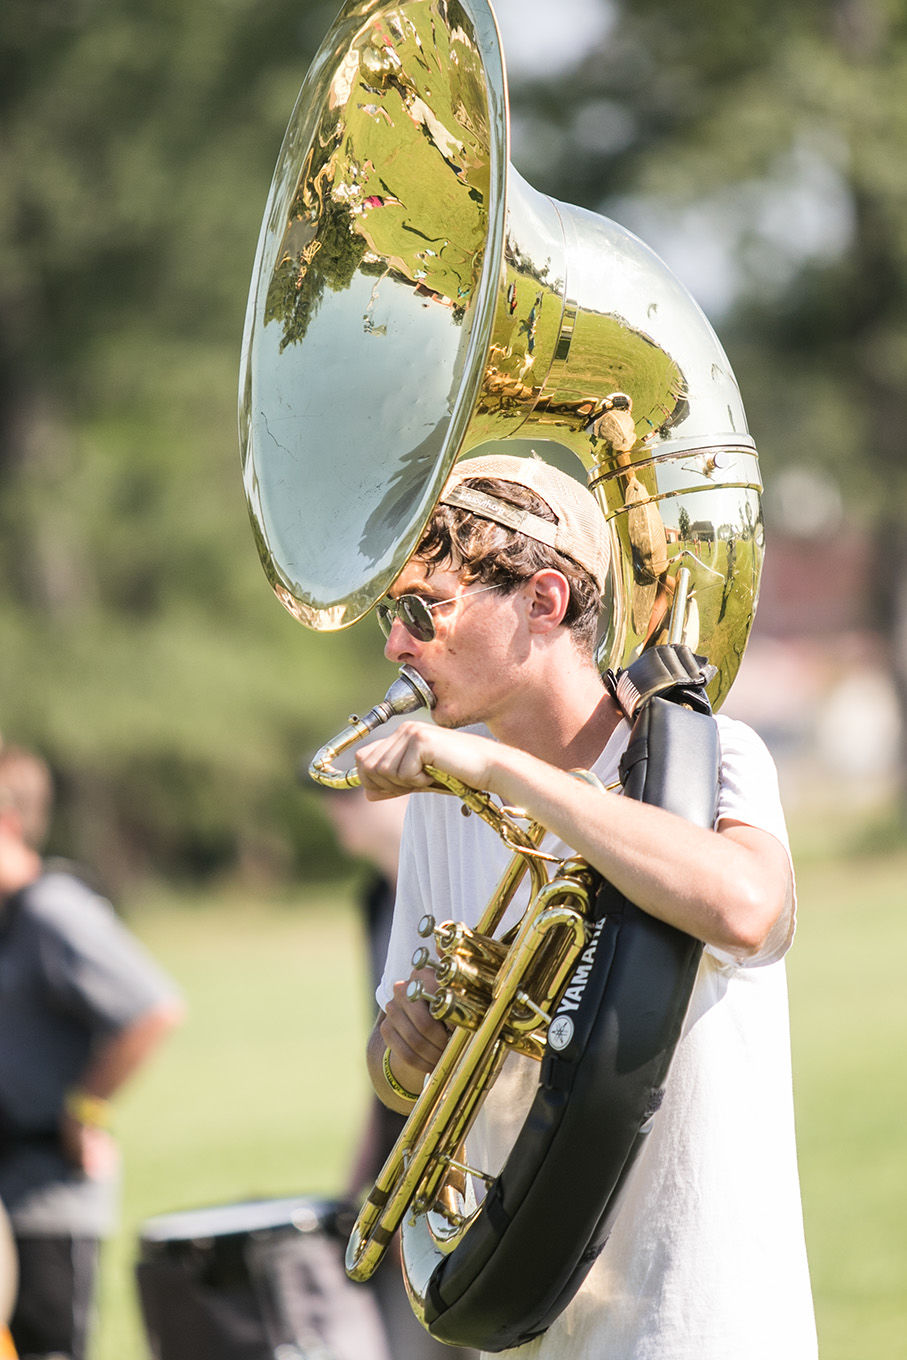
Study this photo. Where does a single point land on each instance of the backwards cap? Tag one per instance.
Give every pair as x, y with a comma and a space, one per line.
580, 532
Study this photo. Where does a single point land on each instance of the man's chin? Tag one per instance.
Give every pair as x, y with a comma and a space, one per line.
452, 721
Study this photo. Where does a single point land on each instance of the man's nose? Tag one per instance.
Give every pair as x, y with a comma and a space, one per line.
400, 643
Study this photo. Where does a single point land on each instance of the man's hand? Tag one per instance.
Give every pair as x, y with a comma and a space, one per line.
90, 1149
396, 764
414, 1040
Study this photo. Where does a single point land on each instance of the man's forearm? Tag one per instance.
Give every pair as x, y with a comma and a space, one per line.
727, 888
86, 1116
122, 1055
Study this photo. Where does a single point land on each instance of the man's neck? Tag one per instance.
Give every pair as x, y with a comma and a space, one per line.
565, 721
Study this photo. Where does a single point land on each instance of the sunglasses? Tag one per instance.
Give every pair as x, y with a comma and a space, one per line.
415, 613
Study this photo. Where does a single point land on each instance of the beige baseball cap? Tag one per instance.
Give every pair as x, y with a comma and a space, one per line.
580, 532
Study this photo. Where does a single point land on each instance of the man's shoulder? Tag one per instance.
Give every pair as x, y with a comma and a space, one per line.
748, 786
740, 741
61, 895
79, 935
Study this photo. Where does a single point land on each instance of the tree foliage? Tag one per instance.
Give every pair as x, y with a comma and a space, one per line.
142, 650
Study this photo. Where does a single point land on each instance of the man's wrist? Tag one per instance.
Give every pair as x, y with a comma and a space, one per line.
397, 1087
93, 1111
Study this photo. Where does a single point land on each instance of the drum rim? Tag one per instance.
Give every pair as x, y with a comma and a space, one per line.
239, 1219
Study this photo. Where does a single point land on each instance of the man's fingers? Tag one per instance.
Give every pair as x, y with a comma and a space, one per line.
411, 1033
394, 764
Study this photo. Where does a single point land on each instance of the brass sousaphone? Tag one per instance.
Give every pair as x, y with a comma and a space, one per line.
414, 300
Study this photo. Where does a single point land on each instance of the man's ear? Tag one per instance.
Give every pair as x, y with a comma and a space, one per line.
548, 598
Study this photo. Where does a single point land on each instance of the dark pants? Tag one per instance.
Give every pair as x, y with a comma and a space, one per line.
56, 1295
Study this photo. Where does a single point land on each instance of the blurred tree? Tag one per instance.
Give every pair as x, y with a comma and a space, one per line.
142, 651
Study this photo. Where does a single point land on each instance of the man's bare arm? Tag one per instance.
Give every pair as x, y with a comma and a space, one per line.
728, 888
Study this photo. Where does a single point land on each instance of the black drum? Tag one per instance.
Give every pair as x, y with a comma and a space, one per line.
262, 1280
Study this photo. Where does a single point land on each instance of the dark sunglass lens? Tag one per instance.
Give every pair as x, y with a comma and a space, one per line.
412, 611
416, 617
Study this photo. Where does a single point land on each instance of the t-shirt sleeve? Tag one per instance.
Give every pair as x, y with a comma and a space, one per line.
748, 793
96, 970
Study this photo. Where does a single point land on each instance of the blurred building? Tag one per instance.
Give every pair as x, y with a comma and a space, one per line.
815, 681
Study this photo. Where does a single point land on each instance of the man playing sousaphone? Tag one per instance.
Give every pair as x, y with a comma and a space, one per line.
497, 609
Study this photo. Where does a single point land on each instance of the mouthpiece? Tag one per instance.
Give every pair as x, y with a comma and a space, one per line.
408, 693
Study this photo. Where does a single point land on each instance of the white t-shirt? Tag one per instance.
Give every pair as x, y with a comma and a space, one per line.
707, 1258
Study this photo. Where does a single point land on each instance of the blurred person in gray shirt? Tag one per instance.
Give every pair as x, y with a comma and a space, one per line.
82, 1007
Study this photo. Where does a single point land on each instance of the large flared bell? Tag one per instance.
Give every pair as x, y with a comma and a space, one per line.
414, 299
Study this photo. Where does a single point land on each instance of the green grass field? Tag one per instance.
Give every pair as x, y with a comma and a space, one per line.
262, 1090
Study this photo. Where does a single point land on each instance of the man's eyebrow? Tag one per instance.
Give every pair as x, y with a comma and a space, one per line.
420, 588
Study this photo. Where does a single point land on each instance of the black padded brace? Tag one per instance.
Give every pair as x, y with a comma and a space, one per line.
671, 671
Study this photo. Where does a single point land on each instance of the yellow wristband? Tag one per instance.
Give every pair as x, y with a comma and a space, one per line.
93, 1111
392, 1081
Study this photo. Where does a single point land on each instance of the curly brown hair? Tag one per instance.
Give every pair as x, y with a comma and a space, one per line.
495, 555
